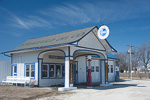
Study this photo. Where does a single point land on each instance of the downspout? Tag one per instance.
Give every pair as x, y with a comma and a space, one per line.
8, 56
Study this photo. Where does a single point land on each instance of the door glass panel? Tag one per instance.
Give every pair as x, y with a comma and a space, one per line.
97, 68
111, 68
92, 68
15, 69
51, 70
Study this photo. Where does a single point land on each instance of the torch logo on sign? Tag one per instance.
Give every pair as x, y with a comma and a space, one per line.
103, 32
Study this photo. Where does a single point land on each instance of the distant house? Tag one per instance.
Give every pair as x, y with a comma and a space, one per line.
62, 58
5, 70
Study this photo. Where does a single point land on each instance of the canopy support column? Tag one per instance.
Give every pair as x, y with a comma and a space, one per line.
104, 65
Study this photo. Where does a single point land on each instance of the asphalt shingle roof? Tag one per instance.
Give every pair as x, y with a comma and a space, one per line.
62, 38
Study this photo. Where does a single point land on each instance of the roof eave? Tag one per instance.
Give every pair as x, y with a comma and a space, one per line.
36, 48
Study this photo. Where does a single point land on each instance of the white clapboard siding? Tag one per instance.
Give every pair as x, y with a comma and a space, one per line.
5, 70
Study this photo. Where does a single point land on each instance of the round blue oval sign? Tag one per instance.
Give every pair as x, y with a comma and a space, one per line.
103, 32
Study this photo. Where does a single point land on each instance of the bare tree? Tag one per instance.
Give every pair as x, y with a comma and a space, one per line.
135, 58
123, 63
144, 50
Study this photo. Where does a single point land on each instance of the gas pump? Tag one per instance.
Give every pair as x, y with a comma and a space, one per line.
89, 77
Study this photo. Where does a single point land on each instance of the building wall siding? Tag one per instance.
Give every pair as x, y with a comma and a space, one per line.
111, 76
91, 41
22, 58
81, 69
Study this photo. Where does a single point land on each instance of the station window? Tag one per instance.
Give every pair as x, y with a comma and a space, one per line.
45, 71
92, 68
111, 68
29, 70
58, 71
32, 70
51, 71
63, 71
97, 68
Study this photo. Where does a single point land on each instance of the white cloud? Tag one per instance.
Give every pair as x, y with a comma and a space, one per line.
82, 13
27, 22
85, 12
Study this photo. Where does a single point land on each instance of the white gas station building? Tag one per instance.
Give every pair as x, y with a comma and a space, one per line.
62, 59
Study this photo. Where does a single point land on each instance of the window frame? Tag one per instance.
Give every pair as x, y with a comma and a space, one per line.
64, 71
92, 70
29, 70
60, 70
96, 68
111, 69
26, 70
55, 76
47, 71
12, 70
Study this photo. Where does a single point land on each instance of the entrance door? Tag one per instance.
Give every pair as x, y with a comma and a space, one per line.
95, 66
75, 72
14, 73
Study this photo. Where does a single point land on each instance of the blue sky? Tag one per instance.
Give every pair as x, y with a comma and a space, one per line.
20, 20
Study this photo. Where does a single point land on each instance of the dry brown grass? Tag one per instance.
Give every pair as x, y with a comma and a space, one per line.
137, 76
25, 93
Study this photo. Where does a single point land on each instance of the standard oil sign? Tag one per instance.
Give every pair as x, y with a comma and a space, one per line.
103, 32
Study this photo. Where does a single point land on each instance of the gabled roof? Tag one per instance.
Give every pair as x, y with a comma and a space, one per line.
57, 39
62, 38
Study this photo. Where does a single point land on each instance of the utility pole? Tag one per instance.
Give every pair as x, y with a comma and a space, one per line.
130, 58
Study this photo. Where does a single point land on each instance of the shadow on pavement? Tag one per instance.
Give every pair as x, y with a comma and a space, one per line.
118, 84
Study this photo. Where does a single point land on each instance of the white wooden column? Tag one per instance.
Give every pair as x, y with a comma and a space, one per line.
67, 71
67, 85
40, 60
104, 83
103, 72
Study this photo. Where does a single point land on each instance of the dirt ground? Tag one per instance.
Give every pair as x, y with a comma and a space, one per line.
123, 90
26, 93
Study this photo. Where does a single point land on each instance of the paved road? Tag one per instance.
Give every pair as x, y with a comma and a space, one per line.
124, 90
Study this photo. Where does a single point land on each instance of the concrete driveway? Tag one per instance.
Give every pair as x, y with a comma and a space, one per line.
123, 90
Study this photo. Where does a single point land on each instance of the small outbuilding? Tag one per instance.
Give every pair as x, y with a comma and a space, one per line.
5, 70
